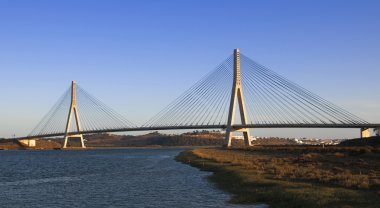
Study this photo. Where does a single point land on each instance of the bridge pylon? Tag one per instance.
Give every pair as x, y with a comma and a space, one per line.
73, 110
237, 92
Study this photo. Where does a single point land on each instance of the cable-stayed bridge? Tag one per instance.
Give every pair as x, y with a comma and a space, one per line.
262, 98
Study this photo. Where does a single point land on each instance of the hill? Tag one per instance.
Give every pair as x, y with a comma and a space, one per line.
196, 138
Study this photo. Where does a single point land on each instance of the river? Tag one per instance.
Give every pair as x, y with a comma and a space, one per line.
104, 178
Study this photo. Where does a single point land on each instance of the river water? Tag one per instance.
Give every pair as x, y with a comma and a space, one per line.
104, 178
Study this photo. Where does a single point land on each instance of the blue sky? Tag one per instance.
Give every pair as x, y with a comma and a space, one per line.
137, 56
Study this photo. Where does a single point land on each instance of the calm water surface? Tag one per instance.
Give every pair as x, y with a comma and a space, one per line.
104, 178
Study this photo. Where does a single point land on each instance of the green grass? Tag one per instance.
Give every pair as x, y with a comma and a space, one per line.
248, 186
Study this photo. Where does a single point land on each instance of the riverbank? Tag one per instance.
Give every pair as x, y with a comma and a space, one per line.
293, 176
14, 144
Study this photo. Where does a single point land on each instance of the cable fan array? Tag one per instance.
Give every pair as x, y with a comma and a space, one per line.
205, 103
93, 115
270, 99
273, 99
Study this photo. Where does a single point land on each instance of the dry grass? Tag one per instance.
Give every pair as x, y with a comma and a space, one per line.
344, 167
297, 176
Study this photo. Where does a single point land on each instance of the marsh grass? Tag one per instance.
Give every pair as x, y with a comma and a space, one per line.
293, 176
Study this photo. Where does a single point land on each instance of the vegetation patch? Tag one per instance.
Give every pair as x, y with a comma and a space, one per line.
292, 176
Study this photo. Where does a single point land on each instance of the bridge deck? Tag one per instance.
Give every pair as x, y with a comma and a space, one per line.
211, 127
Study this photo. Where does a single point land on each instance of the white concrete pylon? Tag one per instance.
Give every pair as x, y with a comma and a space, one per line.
237, 91
73, 109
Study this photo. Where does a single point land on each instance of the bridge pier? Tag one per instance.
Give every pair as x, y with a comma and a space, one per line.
80, 136
73, 109
377, 131
237, 91
365, 133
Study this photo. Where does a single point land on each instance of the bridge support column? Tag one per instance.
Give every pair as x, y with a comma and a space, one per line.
237, 91
377, 131
365, 132
73, 109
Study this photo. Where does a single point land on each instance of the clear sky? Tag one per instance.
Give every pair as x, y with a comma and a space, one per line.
137, 56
